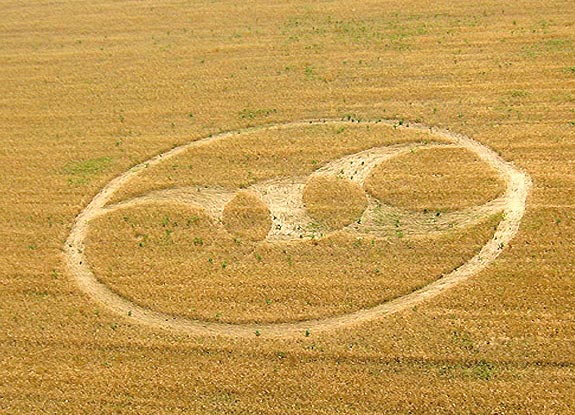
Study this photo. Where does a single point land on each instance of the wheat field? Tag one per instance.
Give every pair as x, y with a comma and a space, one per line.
287, 207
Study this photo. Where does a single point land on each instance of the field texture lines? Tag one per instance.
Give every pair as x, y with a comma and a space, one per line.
287, 207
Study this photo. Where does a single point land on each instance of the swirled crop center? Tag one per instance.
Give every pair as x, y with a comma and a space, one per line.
295, 227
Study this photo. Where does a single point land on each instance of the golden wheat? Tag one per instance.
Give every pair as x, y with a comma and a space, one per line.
90, 89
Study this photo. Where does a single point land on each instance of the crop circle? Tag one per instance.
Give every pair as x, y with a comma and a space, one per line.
402, 183
245, 217
334, 202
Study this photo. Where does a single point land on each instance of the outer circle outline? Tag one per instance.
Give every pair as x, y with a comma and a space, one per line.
518, 186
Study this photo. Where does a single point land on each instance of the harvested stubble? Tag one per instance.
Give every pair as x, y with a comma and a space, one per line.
110, 84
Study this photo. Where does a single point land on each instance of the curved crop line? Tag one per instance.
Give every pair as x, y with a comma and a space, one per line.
518, 185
